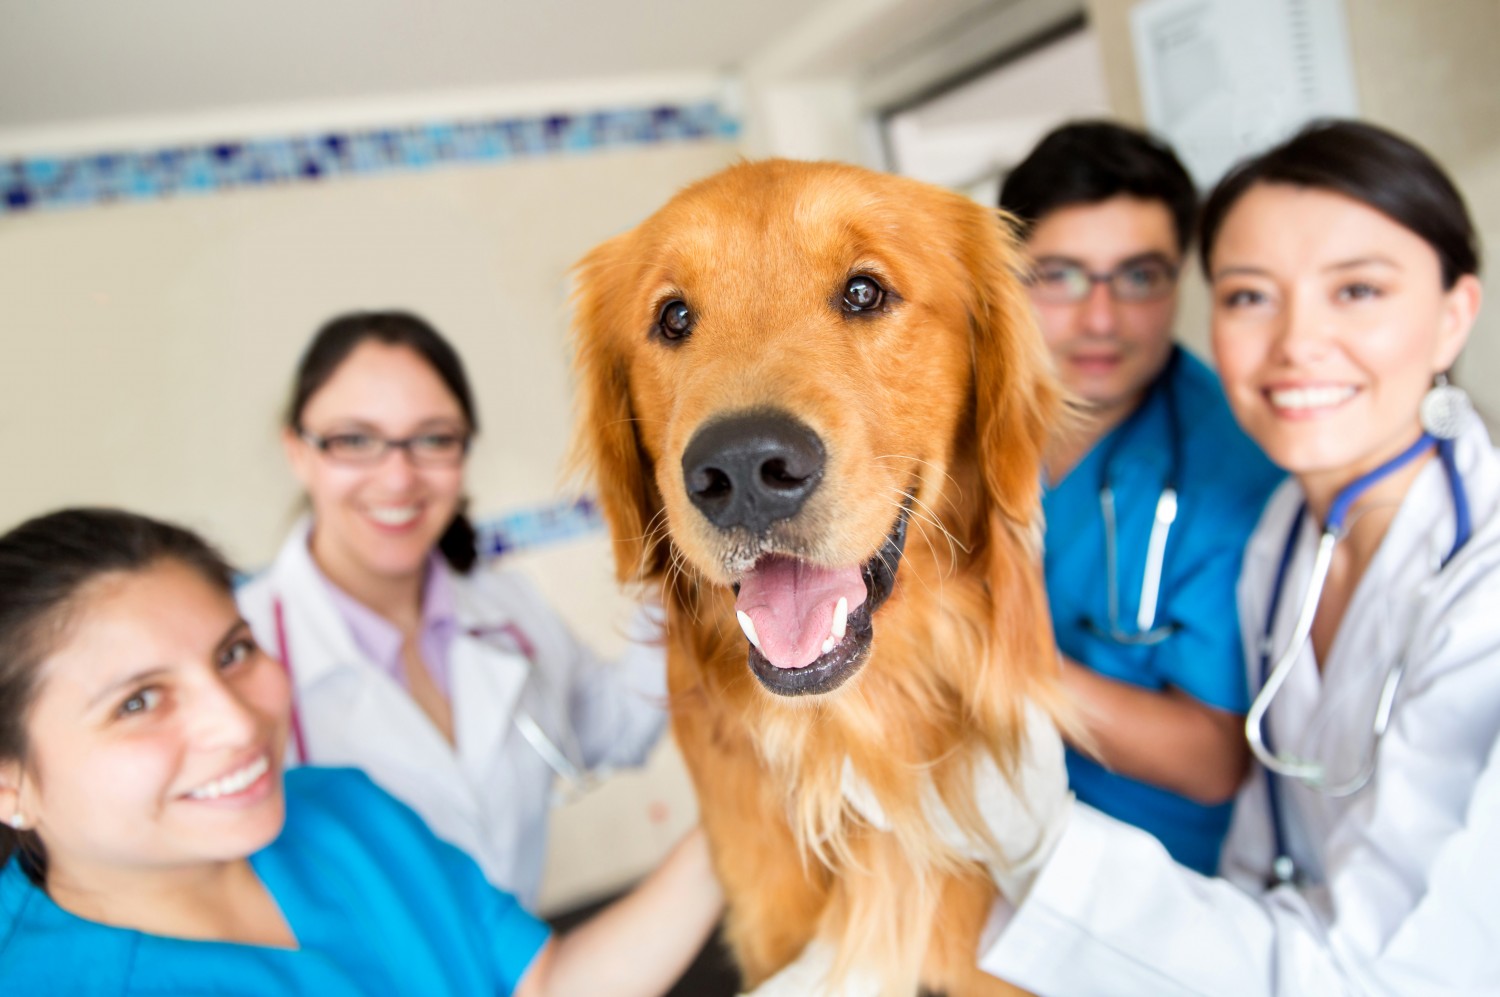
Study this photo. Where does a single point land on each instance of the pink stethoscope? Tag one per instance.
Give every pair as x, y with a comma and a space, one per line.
576, 777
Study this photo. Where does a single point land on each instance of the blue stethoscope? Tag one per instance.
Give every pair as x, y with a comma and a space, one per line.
1310, 772
1146, 632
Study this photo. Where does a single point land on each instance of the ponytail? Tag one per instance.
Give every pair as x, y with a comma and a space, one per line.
459, 543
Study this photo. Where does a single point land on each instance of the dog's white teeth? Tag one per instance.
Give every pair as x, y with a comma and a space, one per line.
747, 625
839, 625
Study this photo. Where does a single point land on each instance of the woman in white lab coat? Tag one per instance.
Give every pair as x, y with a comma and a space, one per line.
454, 686
1343, 273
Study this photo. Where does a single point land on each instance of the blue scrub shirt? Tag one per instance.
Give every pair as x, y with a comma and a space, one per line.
1223, 481
377, 903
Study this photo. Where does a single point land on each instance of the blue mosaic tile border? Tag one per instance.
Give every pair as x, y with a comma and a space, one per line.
29, 184
538, 526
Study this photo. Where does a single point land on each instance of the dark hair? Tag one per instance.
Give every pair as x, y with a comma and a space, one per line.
1086, 162
331, 347
44, 564
1367, 164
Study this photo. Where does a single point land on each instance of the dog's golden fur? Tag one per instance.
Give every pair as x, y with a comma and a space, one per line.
945, 395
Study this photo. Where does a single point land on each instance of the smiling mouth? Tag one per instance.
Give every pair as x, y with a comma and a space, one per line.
394, 516
1310, 399
809, 628
237, 781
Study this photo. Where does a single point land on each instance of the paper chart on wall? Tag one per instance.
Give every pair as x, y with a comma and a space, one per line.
1221, 79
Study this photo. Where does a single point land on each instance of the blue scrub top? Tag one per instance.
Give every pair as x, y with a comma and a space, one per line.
377, 903
1223, 481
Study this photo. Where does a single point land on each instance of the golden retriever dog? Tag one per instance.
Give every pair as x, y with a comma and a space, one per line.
814, 405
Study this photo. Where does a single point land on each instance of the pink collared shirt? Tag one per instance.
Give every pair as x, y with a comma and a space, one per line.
380, 639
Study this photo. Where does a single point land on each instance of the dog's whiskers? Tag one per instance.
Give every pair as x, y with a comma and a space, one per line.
922, 521
927, 539
918, 460
929, 515
652, 532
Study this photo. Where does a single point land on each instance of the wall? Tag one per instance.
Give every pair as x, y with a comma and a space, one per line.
1426, 70
1429, 72
816, 91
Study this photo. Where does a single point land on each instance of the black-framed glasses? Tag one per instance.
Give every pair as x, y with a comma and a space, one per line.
360, 449
1065, 282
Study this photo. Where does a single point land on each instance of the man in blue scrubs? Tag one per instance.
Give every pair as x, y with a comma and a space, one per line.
1150, 500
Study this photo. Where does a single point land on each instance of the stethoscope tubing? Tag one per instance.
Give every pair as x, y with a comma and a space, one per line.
1165, 514
1312, 773
284, 656
1309, 772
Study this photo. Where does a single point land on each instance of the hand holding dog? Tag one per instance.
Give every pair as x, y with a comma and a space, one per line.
1025, 814
811, 975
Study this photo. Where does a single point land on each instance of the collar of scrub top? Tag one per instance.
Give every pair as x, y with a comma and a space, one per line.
1310, 772
1146, 632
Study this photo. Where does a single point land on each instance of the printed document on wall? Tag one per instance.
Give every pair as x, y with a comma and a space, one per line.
1221, 79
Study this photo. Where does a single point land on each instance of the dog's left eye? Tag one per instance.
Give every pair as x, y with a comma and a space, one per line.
862, 294
675, 320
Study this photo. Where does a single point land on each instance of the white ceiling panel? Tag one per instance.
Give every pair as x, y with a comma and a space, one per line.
66, 61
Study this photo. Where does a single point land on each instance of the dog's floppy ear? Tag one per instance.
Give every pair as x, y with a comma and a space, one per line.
1018, 397
605, 446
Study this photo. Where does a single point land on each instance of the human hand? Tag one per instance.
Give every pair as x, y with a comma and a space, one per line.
809, 976
1024, 813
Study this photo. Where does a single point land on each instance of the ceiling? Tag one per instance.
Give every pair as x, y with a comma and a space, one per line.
70, 61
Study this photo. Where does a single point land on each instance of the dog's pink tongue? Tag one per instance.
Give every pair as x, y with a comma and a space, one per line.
791, 604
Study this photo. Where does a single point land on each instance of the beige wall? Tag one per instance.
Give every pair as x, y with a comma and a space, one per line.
1428, 70
150, 345
1425, 68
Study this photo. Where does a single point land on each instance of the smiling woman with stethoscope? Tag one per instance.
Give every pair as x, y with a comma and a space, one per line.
1361, 859
457, 688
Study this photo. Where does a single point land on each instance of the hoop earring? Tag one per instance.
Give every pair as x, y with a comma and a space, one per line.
1444, 408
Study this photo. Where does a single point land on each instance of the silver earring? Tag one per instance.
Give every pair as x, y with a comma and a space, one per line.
1444, 408
17, 822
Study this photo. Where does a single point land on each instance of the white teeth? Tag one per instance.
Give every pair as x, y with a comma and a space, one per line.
394, 515
749, 627
1311, 398
840, 624
234, 782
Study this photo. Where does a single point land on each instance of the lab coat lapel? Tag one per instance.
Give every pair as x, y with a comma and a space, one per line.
487, 686
329, 667
318, 642
378, 706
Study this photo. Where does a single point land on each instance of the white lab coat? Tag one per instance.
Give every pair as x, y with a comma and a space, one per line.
491, 792
1405, 896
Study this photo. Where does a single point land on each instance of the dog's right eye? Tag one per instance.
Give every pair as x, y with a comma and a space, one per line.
675, 320
863, 294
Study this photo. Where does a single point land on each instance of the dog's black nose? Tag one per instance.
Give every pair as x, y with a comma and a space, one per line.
752, 470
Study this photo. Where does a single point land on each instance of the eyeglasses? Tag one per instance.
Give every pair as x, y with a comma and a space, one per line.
1060, 282
366, 449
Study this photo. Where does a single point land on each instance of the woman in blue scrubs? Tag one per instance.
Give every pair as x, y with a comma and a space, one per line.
152, 844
